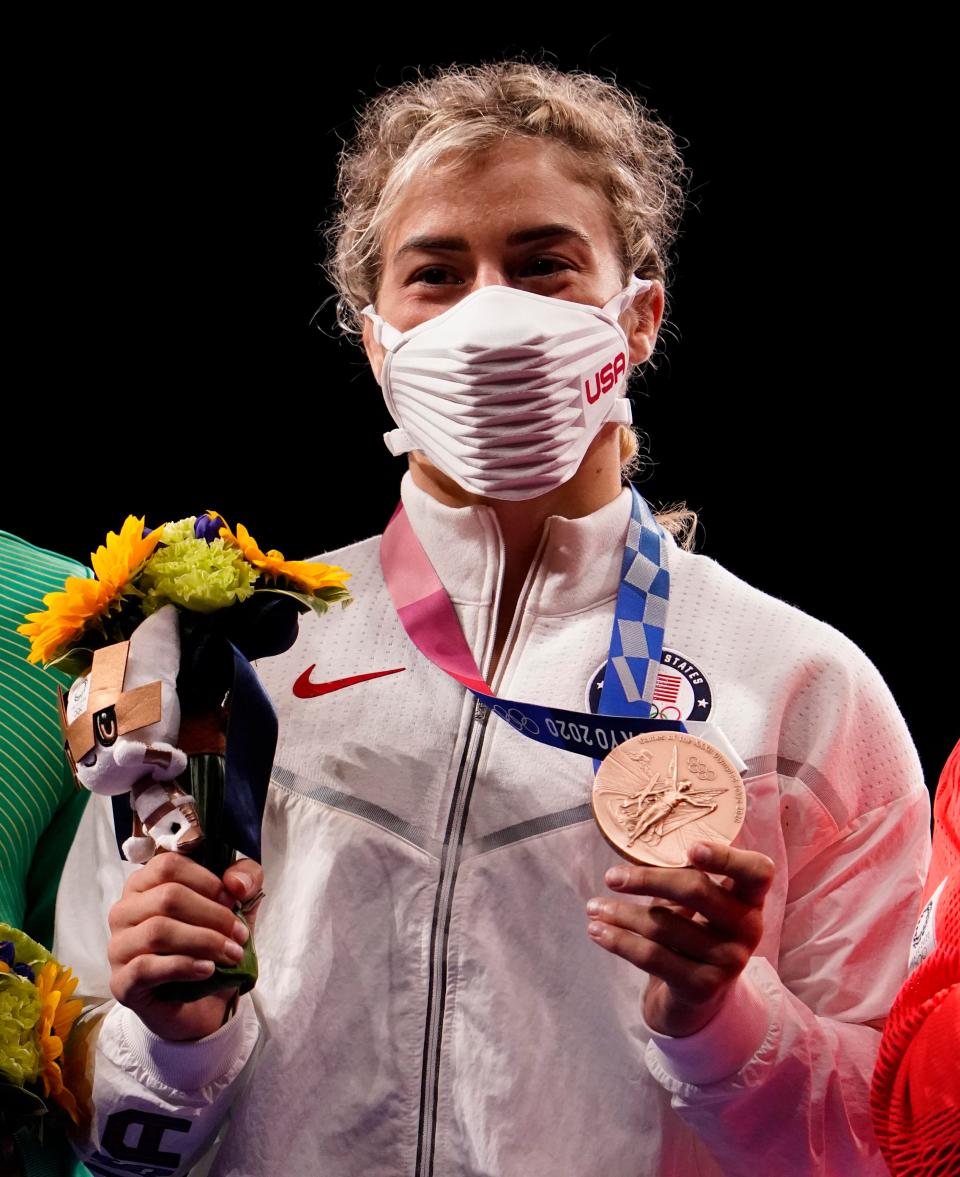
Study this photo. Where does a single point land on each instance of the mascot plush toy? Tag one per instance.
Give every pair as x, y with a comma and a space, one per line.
122, 720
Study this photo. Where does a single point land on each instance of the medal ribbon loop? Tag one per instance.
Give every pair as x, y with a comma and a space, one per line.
636, 643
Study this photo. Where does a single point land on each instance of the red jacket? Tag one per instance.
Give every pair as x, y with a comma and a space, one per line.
916, 1086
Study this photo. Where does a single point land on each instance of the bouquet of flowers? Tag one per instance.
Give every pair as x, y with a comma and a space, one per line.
167, 715
37, 1013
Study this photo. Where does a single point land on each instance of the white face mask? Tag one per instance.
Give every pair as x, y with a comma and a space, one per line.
505, 391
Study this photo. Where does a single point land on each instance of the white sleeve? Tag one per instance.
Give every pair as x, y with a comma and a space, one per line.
779, 1080
151, 1105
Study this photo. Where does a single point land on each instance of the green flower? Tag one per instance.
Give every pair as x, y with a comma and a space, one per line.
27, 951
174, 533
20, 1010
194, 574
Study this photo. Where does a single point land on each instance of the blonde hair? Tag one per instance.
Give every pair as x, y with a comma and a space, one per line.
677, 518
616, 145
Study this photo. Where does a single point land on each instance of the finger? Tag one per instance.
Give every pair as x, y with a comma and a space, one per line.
131, 985
689, 980
687, 912
750, 872
244, 878
177, 868
690, 889
696, 942
161, 936
176, 902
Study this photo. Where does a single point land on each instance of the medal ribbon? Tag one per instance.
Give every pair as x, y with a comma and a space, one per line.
636, 643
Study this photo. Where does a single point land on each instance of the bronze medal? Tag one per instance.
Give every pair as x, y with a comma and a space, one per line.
657, 794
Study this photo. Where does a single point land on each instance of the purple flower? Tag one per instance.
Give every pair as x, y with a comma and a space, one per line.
207, 528
7, 953
25, 971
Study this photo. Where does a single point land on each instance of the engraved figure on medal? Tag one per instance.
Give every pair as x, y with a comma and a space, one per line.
658, 794
664, 805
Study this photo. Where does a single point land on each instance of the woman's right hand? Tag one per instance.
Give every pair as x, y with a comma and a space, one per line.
172, 922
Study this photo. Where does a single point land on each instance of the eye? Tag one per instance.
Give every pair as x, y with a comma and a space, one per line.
544, 267
434, 276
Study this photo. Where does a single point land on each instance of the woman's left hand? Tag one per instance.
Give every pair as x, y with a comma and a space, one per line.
696, 943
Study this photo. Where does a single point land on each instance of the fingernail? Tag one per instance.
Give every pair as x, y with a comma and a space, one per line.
699, 854
238, 884
594, 907
203, 968
240, 932
233, 950
616, 877
596, 930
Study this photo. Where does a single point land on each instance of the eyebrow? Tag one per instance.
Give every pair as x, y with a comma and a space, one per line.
521, 237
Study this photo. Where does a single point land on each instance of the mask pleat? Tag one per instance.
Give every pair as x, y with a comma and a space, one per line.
505, 391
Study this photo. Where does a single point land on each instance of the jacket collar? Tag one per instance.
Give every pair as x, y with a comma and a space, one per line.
578, 568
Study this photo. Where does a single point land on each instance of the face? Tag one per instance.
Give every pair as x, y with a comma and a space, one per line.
516, 217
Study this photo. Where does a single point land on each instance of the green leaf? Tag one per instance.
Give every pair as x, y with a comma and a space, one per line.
305, 600
74, 662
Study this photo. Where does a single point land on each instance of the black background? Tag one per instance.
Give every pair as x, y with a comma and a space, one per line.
174, 347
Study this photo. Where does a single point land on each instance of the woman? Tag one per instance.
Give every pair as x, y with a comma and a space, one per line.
431, 1000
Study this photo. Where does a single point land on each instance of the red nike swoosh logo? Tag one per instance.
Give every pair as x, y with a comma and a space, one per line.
303, 688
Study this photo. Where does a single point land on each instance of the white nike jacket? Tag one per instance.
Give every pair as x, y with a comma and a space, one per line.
429, 1003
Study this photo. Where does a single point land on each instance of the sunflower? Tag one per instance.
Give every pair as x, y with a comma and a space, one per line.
58, 1013
306, 576
83, 602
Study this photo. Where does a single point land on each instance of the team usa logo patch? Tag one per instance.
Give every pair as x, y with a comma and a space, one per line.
682, 691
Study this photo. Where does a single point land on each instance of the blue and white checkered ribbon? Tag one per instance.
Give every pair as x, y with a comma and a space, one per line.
636, 645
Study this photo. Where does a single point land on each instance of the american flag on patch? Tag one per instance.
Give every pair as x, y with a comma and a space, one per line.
667, 688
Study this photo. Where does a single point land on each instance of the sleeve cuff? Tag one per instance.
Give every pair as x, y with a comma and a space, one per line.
724, 1045
189, 1066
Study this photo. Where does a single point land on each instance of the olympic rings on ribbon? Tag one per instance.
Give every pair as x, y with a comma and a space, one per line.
517, 720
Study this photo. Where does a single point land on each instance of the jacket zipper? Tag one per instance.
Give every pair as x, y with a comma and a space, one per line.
449, 865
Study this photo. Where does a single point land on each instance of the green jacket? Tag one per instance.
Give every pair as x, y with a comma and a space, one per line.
40, 805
